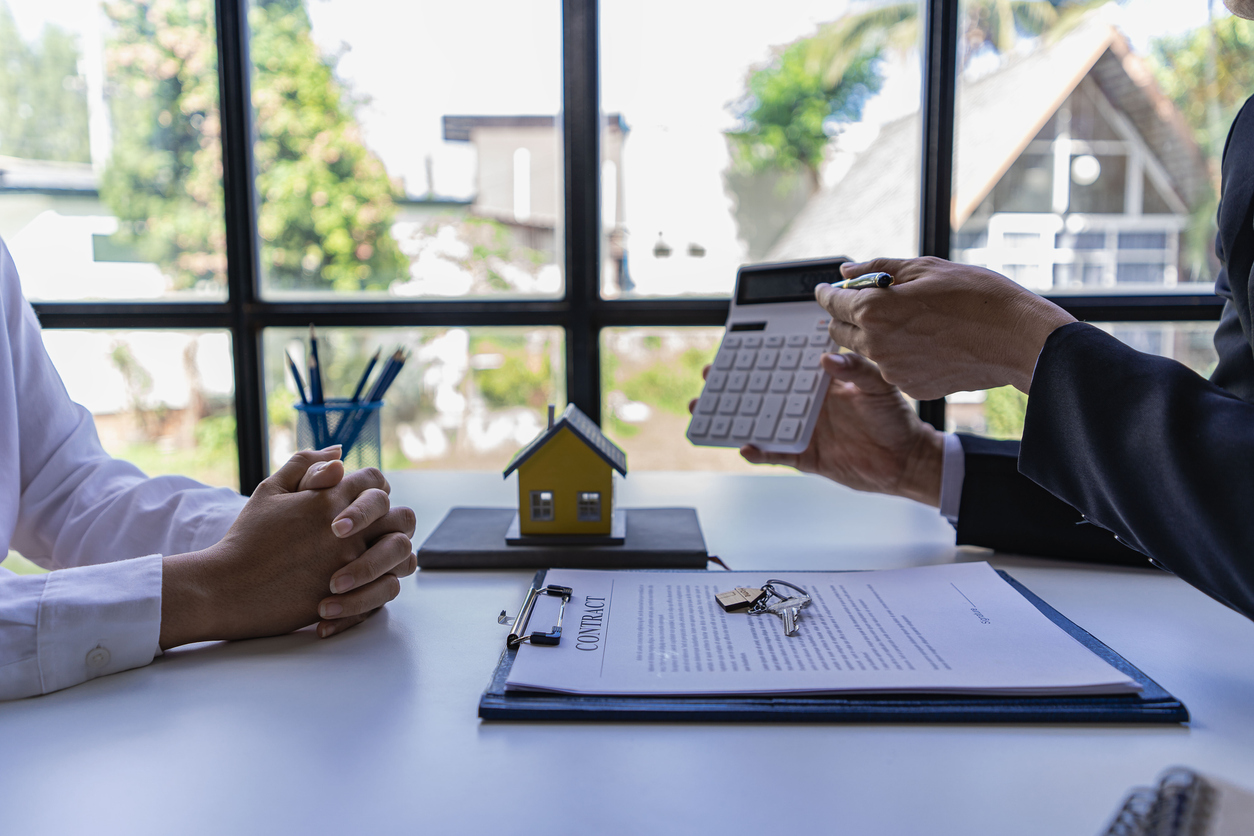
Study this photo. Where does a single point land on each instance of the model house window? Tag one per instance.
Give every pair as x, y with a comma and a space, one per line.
589, 506
542, 506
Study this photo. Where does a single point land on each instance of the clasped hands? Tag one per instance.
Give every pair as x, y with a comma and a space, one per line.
313, 544
940, 328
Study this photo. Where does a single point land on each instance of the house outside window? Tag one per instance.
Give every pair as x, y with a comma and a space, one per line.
541, 506
589, 506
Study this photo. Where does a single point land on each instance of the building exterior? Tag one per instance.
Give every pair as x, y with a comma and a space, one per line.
518, 180
566, 478
1073, 172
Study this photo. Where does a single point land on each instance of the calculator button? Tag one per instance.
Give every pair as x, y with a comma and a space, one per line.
822, 324
731, 341
788, 429
820, 340
725, 360
750, 404
775, 341
708, 403
745, 359
742, 427
752, 341
805, 381
719, 427
716, 381
700, 423
737, 381
767, 358
758, 381
811, 359
728, 404
797, 341
764, 429
797, 405
781, 381
789, 358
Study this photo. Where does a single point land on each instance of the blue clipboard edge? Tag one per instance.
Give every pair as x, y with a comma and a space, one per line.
1153, 705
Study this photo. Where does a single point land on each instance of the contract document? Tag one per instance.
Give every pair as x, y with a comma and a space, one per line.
958, 628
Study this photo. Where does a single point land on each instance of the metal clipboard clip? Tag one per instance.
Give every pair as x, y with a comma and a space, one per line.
519, 626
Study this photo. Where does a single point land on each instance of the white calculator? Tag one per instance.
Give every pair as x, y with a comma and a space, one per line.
766, 385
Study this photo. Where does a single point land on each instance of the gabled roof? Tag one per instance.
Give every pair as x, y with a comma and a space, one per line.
873, 209
587, 432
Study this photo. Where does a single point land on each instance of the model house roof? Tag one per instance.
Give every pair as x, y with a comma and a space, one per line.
873, 209
587, 432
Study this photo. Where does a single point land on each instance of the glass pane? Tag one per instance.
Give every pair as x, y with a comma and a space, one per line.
408, 149
110, 156
466, 399
1000, 412
648, 376
784, 135
1088, 143
164, 400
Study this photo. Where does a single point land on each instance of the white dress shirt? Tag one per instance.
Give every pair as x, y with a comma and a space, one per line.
99, 522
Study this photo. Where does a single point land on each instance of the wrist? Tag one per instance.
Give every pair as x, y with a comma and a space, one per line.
924, 470
187, 606
1049, 320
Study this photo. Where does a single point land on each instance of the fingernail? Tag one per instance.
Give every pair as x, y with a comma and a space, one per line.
330, 610
316, 468
838, 359
334, 448
342, 527
342, 583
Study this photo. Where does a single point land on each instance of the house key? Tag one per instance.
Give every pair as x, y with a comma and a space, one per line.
789, 610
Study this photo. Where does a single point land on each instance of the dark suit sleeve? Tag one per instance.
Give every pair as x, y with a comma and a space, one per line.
1004, 510
1149, 450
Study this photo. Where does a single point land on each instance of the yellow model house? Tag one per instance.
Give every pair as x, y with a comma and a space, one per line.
566, 478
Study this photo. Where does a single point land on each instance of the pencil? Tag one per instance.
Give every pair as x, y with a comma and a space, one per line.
361, 384
300, 384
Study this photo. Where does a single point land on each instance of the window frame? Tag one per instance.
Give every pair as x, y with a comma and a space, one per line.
582, 313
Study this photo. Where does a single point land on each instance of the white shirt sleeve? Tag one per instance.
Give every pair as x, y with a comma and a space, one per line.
65, 503
953, 472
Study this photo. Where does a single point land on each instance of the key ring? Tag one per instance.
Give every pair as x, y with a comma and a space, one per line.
769, 588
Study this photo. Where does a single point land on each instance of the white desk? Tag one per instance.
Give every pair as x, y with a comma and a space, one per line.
375, 732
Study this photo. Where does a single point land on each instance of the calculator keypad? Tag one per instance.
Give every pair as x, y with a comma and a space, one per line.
761, 388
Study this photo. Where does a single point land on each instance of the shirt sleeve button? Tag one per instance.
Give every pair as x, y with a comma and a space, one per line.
97, 657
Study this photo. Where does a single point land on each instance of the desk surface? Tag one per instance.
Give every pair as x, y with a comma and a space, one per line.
375, 731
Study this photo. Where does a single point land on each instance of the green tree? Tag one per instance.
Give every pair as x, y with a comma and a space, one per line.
326, 203
43, 99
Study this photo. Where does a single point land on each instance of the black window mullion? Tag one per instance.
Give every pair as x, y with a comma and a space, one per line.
581, 147
241, 241
940, 77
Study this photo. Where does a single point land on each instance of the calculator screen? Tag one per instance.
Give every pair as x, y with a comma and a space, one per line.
794, 283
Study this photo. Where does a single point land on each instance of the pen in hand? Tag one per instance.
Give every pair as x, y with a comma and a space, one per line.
868, 280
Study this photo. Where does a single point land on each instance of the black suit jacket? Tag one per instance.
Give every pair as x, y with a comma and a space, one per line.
1143, 447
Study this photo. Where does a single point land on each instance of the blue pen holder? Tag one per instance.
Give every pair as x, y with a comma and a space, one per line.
355, 426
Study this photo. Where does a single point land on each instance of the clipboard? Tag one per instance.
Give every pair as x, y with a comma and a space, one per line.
1152, 705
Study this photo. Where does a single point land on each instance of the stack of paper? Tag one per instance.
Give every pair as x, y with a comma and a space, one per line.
956, 628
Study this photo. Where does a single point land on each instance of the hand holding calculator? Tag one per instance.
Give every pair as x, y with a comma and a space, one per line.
766, 385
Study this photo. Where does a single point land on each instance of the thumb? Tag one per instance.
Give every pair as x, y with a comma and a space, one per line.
856, 369
287, 479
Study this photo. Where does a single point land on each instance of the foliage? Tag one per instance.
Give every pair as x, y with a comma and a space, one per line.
669, 383
1005, 409
523, 378
326, 203
43, 99
792, 105
790, 108
1208, 73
